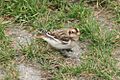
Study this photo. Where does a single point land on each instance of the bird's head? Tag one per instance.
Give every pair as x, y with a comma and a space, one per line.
74, 33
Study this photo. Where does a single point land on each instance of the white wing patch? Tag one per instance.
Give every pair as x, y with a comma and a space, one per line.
57, 43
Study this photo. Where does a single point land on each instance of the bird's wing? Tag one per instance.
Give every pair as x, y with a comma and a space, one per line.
60, 35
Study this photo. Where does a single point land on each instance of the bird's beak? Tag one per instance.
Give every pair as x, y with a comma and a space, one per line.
78, 33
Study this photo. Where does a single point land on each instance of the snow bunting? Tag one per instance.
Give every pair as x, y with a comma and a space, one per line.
61, 38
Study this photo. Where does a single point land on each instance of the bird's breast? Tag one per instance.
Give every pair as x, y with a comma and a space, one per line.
57, 43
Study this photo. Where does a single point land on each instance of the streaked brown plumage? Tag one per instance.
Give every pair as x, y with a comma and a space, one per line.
62, 38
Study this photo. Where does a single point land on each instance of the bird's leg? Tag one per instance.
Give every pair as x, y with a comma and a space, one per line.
66, 52
62, 51
48, 47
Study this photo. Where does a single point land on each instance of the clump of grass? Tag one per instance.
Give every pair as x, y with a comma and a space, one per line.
7, 56
3, 45
11, 72
112, 5
99, 3
22, 11
2, 35
115, 7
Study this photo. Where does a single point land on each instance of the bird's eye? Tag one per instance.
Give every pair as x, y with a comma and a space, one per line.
72, 32
48, 32
69, 32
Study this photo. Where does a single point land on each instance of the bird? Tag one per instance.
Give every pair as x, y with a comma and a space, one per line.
61, 38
